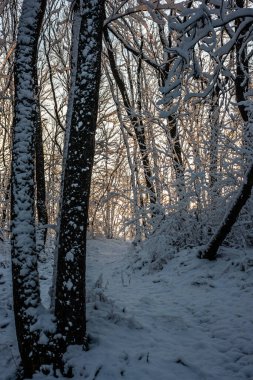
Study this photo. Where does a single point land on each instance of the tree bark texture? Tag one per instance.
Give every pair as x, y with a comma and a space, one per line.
70, 282
26, 294
211, 250
76, 22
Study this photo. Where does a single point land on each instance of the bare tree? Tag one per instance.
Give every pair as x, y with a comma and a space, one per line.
80, 143
26, 293
135, 118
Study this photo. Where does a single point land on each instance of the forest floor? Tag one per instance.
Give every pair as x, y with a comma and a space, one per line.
190, 320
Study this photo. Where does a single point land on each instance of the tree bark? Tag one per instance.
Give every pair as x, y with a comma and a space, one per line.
70, 282
172, 132
242, 70
211, 250
176, 156
26, 293
214, 139
76, 22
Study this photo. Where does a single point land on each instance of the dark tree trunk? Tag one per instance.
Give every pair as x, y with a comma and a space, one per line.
176, 155
141, 139
211, 250
244, 193
214, 139
40, 182
242, 70
26, 294
70, 282
172, 132
242, 86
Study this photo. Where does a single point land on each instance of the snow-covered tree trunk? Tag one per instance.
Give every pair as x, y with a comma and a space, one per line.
130, 160
70, 282
176, 155
210, 251
172, 124
26, 294
244, 193
242, 68
76, 23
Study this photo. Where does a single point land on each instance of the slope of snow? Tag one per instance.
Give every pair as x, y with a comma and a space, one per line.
192, 320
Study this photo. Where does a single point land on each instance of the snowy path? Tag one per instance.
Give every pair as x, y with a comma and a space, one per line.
191, 321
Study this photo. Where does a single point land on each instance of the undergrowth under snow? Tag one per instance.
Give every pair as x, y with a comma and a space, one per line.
152, 315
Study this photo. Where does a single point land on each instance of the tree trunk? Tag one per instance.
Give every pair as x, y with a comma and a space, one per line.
176, 156
241, 85
172, 132
136, 208
70, 282
76, 22
211, 250
40, 182
242, 69
214, 139
26, 294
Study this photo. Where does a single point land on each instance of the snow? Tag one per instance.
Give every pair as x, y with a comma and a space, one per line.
190, 320
70, 256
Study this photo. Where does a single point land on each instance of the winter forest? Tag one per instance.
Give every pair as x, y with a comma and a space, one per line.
126, 172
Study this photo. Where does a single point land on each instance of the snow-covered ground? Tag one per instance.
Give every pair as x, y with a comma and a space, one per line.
192, 320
